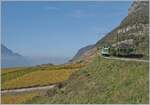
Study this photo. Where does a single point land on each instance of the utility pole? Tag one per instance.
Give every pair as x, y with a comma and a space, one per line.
117, 43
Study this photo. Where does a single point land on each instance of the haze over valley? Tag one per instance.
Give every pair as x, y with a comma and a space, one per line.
12, 59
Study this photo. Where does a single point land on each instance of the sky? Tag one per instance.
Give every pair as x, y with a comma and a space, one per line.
58, 29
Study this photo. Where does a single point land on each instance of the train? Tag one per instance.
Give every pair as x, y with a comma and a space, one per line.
118, 51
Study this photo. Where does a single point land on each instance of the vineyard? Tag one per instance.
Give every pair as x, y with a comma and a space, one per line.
8, 70
36, 76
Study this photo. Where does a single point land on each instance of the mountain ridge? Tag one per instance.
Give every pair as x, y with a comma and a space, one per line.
12, 59
6, 51
134, 26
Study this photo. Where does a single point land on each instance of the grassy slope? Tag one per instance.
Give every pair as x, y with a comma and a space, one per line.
36, 76
18, 98
13, 73
103, 81
28, 77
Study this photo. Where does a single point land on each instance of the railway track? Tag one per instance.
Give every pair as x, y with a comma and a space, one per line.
127, 59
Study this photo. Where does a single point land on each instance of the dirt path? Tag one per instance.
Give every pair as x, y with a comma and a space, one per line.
27, 89
127, 59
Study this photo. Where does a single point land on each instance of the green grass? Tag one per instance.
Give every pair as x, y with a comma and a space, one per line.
18, 98
103, 81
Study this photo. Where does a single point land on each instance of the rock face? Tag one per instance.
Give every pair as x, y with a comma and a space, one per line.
136, 6
133, 27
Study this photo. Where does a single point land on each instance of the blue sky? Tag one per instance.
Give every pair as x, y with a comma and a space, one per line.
58, 29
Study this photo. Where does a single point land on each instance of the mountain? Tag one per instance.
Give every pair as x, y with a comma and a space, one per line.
7, 52
81, 51
11, 59
135, 26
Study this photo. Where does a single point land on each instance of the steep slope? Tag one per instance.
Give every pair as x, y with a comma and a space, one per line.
104, 81
134, 26
7, 52
81, 51
11, 59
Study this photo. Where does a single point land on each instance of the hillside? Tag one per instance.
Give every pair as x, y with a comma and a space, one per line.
84, 53
12, 59
103, 81
27, 77
7, 52
134, 26
82, 50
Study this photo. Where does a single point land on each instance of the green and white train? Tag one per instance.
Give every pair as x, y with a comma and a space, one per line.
117, 51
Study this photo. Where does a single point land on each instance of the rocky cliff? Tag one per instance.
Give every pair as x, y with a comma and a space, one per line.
135, 26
